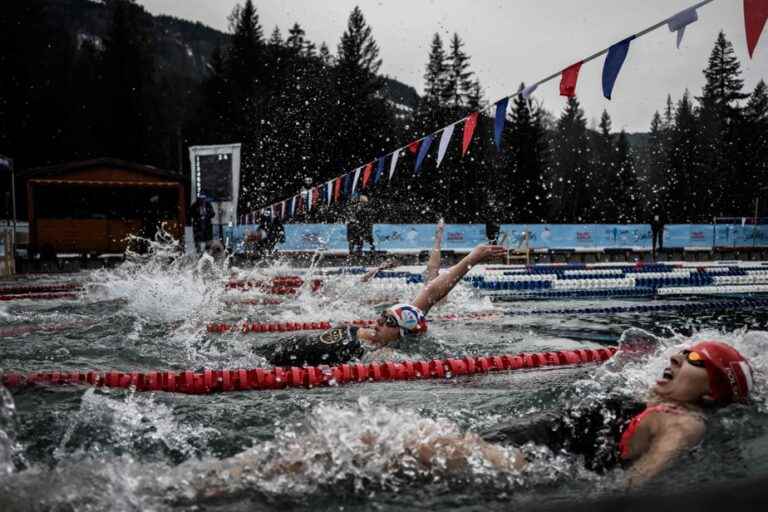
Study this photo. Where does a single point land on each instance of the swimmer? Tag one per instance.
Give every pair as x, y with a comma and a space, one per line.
342, 344
645, 438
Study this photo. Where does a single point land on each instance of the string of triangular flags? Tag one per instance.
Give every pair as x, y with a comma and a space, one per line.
337, 189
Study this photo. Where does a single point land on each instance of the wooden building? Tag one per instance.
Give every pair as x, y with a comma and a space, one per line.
91, 207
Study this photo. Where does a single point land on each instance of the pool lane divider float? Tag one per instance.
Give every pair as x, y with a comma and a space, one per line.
688, 307
222, 381
40, 292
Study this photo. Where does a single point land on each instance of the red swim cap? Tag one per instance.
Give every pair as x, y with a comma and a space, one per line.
730, 375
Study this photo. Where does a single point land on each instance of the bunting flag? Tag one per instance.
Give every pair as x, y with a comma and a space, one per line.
755, 16
501, 118
354, 180
315, 195
680, 21
612, 65
379, 170
527, 91
469, 130
367, 174
445, 139
568, 80
292, 207
393, 164
426, 142
348, 186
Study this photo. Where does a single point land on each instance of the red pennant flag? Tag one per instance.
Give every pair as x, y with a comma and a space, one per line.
755, 16
469, 130
299, 204
336, 189
413, 147
568, 80
367, 174
315, 195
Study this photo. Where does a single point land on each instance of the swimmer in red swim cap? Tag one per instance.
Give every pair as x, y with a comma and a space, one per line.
644, 437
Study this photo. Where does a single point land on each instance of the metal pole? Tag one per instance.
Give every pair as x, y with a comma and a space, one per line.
754, 223
13, 205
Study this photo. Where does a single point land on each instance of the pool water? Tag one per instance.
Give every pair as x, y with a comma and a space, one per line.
334, 448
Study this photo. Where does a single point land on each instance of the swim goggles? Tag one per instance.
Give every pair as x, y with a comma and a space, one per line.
694, 358
388, 320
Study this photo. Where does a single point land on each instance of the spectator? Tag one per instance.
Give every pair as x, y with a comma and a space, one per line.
657, 232
492, 223
201, 213
360, 227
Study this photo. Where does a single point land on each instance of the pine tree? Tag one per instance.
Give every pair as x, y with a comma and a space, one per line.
754, 143
720, 116
525, 186
657, 163
128, 69
295, 41
604, 207
362, 117
276, 39
686, 195
436, 73
459, 83
626, 192
570, 167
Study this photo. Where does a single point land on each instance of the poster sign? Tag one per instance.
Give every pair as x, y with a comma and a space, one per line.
216, 173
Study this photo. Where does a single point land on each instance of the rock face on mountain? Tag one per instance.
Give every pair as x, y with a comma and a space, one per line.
183, 47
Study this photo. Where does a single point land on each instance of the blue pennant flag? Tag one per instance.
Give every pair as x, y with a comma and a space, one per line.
613, 62
346, 187
501, 117
379, 169
423, 150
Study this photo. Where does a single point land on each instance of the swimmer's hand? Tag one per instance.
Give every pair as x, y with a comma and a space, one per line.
484, 252
389, 263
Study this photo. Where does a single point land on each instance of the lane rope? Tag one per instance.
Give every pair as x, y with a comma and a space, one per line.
222, 381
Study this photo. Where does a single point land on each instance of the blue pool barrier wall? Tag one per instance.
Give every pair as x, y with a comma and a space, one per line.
462, 237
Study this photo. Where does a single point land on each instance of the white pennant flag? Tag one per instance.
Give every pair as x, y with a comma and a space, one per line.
393, 164
309, 200
679, 21
293, 205
329, 191
354, 180
445, 139
527, 91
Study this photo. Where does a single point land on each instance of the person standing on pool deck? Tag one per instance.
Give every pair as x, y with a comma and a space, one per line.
341, 344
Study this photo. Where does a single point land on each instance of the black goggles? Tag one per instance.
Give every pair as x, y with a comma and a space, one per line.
388, 320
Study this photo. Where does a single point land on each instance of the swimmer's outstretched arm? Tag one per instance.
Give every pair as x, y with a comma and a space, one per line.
433, 265
443, 284
389, 263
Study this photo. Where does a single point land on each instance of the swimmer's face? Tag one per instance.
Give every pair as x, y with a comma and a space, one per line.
682, 381
386, 328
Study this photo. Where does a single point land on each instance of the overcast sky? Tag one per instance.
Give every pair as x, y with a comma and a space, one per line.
513, 41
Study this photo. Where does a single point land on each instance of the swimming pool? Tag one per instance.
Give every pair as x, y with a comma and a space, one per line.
118, 449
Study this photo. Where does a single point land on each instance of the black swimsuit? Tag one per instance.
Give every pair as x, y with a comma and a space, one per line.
338, 345
590, 430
